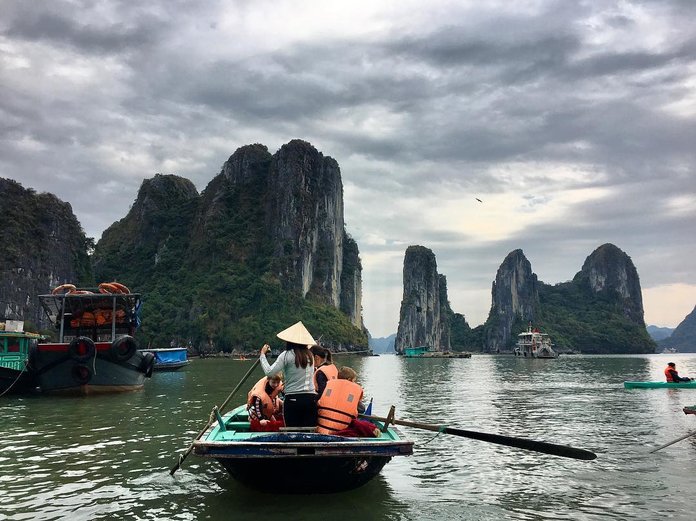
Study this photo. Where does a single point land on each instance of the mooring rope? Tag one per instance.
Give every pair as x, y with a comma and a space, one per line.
16, 379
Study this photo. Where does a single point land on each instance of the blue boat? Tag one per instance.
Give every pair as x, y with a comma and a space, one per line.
319, 463
168, 359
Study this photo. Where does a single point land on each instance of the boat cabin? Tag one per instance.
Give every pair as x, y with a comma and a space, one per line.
99, 316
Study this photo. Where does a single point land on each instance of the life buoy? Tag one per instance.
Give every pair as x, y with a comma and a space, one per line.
82, 349
148, 364
106, 287
119, 287
123, 348
80, 292
81, 374
63, 288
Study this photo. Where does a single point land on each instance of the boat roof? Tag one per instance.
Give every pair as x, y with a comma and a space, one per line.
76, 304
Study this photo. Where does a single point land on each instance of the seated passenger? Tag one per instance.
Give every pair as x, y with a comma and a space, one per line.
672, 375
324, 369
339, 406
264, 406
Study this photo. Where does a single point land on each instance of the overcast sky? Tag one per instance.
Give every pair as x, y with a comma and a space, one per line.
573, 122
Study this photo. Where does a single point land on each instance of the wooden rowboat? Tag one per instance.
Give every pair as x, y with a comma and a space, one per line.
318, 463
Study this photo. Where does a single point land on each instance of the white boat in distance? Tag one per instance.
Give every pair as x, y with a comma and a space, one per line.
534, 344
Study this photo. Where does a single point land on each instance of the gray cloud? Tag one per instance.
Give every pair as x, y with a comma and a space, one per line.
531, 106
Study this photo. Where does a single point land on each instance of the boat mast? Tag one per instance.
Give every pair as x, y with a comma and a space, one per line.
62, 317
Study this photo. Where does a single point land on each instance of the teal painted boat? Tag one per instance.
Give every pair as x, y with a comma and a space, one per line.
15, 345
660, 385
318, 463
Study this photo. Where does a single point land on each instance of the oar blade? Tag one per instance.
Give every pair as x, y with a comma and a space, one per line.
554, 449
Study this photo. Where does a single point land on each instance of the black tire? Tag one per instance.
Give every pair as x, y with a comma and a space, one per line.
82, 349
123, 348
81, 374
148, 364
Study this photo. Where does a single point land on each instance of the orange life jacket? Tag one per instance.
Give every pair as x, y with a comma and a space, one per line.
270, 405
668, 373
338, 405
329, 370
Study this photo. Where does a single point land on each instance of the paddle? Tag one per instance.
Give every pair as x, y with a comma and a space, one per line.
673, 441
183, 456
520, 443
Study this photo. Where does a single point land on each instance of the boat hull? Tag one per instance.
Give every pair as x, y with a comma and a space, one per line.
169, 359
310, 475
58, 372
13, 381
660, 385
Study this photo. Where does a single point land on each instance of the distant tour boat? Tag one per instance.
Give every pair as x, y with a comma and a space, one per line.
534, 344
168, 359
669, 350
15, 344
95, 351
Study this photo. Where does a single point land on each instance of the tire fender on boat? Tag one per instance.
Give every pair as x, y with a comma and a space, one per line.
123, 348
81, 349
148, 364
81, 374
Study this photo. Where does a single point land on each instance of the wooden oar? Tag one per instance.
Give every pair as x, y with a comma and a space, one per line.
673, 441
520, 443
183, 456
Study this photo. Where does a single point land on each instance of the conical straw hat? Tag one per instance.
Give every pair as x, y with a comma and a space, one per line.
297, 334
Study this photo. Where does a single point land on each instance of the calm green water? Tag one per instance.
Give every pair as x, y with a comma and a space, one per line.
108, 457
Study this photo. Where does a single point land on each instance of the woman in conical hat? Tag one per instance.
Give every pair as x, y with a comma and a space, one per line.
296, 364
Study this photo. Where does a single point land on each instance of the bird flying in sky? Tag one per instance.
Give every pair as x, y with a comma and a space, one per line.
479, 200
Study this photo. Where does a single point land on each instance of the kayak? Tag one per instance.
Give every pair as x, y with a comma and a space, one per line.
660, 385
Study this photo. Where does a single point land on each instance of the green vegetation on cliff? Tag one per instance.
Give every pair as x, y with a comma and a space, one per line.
206, 269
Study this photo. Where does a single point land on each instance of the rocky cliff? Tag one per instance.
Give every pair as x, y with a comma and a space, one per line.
424, 315
43, 245
264, 244
515, 297
609, 272
599, 311
684, 336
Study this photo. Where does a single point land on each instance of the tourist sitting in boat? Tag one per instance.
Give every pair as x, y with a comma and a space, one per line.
672, 375
324, 369
264, 406
339, 406
296, 363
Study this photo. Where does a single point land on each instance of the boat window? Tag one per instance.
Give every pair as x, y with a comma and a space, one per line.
13, 347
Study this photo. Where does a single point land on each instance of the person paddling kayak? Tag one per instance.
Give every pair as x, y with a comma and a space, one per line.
672, 375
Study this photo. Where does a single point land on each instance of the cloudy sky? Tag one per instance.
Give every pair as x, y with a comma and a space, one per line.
574, 122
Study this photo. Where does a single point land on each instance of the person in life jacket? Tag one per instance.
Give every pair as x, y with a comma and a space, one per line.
339, 406
264, 406
672, 375
324, 369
